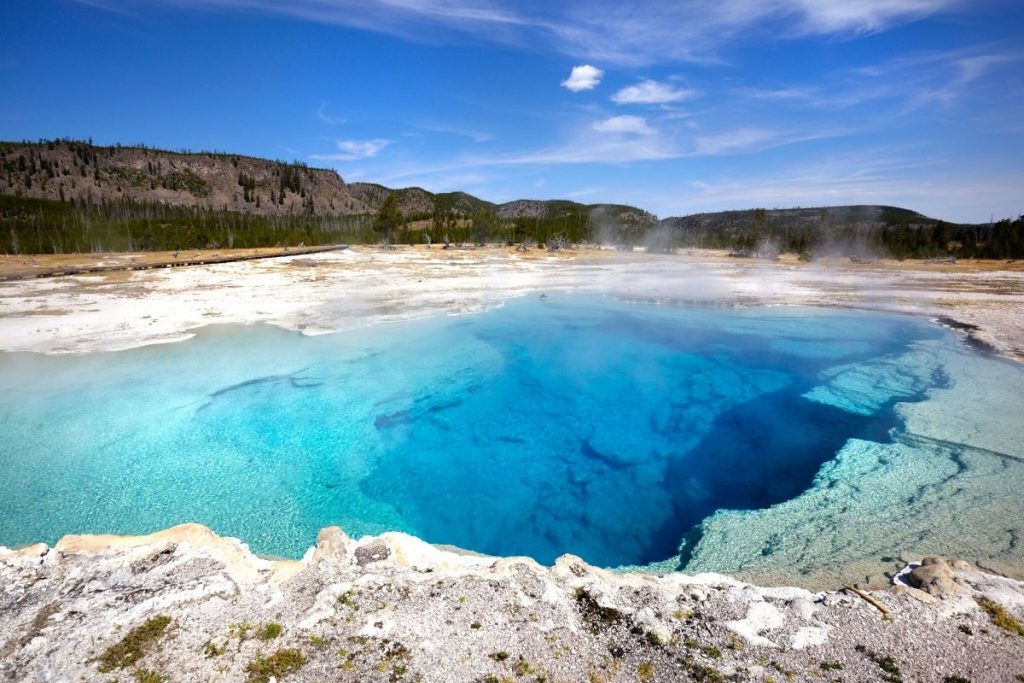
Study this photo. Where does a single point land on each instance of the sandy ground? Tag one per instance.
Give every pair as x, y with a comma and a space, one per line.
334, 291
56, 265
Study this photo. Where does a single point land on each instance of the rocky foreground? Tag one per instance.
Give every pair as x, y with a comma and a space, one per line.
187, 605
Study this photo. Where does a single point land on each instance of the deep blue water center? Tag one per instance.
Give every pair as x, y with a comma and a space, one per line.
570, 424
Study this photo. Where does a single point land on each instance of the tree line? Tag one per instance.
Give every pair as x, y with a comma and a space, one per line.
85, 225
43, 226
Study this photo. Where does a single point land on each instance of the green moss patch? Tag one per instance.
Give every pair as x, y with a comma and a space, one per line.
135, 644
1000, 617
277, 665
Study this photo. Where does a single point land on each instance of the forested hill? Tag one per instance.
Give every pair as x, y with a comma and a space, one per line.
68, 170
866, 230
66, 195
71, 196
75, 171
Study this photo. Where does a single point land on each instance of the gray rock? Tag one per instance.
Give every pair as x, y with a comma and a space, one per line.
374, 552
394, 608
936, 578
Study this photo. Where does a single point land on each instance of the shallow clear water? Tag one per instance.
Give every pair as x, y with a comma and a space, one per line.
571, 424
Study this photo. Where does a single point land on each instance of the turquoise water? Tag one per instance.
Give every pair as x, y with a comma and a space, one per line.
570, 424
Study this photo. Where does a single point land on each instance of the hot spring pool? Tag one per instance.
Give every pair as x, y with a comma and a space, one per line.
777, 442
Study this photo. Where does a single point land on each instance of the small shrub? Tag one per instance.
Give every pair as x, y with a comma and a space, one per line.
240, 629
831, 666
712, 652
707, 674
211, 649
885, 662
148, 676
955, 679
1000, 617
269, 631
134, 645
964, 628
499, 656
277, 665
523, 668
596, 616
645, 672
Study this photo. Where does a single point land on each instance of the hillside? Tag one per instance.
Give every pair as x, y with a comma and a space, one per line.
73, 171
63, 195
77, 171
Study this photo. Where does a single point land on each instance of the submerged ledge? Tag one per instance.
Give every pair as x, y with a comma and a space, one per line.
393, 608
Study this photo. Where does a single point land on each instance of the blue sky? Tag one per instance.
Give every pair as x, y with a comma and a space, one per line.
678, 107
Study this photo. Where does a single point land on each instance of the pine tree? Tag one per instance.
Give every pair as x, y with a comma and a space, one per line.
389, 217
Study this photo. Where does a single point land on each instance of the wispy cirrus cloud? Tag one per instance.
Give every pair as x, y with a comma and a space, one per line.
321, 113
747, 140
625, 34
691, 31
619, 143
925, 78
586, 192
352, 150
896, 87
789, 93
459, 131
650, 91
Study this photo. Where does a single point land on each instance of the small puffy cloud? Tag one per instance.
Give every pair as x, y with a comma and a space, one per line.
583, 77
351, 150
651, 92
624, 124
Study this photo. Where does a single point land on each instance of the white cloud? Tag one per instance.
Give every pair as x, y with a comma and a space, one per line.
351, 150
624, 124
583, 77
651, 92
